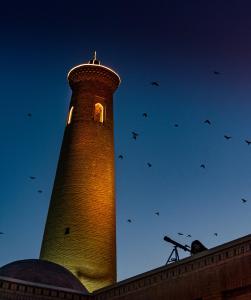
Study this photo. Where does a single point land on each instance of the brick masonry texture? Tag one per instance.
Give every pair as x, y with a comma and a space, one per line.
83, 198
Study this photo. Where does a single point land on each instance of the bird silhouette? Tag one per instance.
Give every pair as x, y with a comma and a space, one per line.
134, 135
203, 166
189, 235
40, 191
217, 73
129, 220
149, 165
176, 125
227, 137
207, 122
1, 233
32, 177
120, 156
29, 114
157, 213
144, 115
243, 200
216, 234
180, 233
155, 83
248, 142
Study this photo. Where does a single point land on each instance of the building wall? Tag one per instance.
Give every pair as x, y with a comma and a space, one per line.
220, 273
11, 289
83, 198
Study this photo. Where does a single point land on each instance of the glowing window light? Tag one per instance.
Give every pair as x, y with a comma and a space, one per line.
99, 113
70, 115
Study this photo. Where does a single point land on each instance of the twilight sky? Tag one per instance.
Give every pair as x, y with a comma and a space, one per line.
177, 43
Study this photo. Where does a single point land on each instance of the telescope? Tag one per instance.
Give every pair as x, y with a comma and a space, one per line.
175, 250
176, 244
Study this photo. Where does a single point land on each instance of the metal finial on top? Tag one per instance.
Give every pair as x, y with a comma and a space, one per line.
94, 61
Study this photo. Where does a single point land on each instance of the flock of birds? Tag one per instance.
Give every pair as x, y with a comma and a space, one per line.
135, 136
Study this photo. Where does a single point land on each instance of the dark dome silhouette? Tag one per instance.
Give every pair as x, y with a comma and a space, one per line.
43, 272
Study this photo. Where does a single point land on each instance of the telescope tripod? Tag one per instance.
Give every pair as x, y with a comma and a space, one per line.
175, 254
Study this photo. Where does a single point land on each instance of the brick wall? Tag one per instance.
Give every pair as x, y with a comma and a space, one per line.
17, 290
220, 273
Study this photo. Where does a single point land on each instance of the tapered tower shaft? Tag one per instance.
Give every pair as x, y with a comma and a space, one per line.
81, 222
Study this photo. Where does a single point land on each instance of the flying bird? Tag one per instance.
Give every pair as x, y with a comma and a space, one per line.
216, 234
207, 122
1, 233
248, 142
189, 235
40, 191
176, 125
129, 220
243, 200
134, 135
227, 137
179, 233
32, 177
29, 114
149, 165
120, 156
203, 166
157, 213
155, 83
144, 115
217, 73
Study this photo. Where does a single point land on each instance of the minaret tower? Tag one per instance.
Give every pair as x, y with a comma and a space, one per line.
80, 232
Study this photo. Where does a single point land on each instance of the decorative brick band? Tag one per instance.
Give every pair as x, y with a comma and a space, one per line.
25, 291
95, 73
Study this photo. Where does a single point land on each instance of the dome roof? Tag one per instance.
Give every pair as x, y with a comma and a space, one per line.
43, 272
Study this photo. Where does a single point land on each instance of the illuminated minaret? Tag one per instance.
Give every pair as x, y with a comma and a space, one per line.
80, 232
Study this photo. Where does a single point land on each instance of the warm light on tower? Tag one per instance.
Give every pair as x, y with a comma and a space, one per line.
80, 228
70, 115
99, 113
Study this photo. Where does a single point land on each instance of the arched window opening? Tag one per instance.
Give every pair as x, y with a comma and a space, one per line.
70, 115
99, 113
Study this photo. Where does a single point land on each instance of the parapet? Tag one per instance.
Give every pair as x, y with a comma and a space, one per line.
93, 72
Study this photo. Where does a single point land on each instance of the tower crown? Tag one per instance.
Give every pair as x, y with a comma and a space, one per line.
93, 70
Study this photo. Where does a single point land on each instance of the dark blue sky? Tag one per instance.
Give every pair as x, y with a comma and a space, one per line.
177, 43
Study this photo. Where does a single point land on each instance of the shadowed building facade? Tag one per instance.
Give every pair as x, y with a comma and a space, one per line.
220, 273
80, 228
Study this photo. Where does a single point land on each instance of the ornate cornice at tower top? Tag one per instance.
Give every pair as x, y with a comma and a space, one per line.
93, 71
